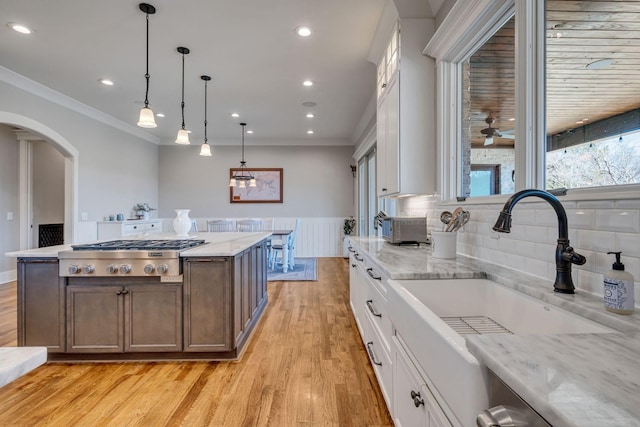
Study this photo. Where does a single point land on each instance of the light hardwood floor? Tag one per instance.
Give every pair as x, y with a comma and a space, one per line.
305, 366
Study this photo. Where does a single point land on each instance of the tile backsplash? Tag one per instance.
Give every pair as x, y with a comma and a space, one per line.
595, 228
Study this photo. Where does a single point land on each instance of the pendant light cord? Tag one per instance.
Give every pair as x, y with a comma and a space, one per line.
146, 76
205, 111
182, 103
243, 125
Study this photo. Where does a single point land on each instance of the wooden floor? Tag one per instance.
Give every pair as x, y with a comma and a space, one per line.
305, 366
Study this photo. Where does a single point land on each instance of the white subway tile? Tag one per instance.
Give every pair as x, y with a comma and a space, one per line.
538, 234
601, 241
544, 252
535, 267
587, 281
581, 218
628, 243
546, 217
618, 220
595, 204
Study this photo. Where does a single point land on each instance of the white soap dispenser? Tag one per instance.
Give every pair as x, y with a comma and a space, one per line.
618, 288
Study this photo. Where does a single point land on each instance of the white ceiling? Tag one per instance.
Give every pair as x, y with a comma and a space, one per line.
248, 47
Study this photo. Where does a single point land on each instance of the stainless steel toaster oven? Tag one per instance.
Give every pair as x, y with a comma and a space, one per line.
403, 230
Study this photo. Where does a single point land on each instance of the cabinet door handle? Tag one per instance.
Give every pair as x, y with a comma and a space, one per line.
353, 265
384, 85
356, 257
124, 292
417, 399
119, 293
384, 189
371, 309
370, 273
372, 355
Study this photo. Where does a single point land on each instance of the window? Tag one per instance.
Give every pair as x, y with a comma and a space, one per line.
367, 201
592, 94
488, 115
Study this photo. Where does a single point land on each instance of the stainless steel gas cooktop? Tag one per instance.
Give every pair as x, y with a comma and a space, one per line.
120, 258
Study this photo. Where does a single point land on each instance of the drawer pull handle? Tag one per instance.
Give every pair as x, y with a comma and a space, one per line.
351, 249
353, 265
372, 355
370, 273
417, 400
356, 257
371, 309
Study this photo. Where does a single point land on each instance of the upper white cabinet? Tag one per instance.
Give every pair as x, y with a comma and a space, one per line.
406, 155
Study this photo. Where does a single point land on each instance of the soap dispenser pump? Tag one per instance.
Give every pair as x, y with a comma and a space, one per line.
618, 288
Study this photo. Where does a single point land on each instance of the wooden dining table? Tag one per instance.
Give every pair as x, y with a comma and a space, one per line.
284, 236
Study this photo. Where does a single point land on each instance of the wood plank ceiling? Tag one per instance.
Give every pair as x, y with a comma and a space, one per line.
578, 33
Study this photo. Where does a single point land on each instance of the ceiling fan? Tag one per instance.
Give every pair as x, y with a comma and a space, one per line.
490, 131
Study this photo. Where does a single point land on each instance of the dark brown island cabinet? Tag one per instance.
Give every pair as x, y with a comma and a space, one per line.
209, 316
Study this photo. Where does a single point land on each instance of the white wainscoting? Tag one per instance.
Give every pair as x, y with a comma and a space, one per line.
317, 236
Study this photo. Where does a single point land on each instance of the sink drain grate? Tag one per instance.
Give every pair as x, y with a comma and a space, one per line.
475, 325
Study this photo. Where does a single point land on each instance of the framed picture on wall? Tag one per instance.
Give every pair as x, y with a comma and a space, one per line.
268, 187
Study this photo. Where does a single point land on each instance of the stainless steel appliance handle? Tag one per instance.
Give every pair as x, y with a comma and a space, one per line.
501, 416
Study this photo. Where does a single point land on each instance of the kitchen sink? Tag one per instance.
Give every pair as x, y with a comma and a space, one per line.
432, 317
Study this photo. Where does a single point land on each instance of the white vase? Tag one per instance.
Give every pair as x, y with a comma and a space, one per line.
182, 223
145, 215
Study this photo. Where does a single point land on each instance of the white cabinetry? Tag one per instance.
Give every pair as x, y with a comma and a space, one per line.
413, 402
406, 156
117, 229
369, 305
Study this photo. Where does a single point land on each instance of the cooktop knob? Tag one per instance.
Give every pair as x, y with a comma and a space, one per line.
88, 269
149, 268
74, 269
162, 268
125, 268
112, 269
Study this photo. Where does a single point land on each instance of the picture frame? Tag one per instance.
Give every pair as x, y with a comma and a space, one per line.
269, 182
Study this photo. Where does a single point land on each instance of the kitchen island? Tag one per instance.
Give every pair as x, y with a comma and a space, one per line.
206, 311
569, 379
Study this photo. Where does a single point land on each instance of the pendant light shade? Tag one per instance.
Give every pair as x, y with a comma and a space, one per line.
242, 176
146, 119
183, 135
205, 149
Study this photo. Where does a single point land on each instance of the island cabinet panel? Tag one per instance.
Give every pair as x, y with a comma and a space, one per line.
132, 318
208, 298
96, 319
261, 273
154, 314
41, 304
247, 308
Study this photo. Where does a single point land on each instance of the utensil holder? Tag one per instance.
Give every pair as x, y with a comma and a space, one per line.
444, 244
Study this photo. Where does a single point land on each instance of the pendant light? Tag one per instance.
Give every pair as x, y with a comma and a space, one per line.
241, 176
183, 135
146, 115
205, 150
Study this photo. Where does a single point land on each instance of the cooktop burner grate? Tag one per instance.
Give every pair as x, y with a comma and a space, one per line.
139, 245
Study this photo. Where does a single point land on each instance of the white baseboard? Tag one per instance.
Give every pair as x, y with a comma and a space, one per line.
8, 276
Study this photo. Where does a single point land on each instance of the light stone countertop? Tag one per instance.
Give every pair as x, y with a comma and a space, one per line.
218, 244
570, 379
17, 361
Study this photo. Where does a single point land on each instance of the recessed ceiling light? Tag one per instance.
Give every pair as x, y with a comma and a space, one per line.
310, 132
599, 64
307, 83
160, 115
309, 104
106, 82
512, 119
19, 28
249, 131
303, 31
235, 115
310, 115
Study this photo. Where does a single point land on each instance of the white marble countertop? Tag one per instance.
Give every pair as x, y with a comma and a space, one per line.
17, 361
571, 380
217, 244
412, 262
582, 380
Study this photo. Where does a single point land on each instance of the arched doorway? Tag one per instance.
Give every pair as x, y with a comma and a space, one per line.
70, 154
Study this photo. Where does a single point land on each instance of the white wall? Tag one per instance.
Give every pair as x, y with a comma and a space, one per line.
8, 196
317, 181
